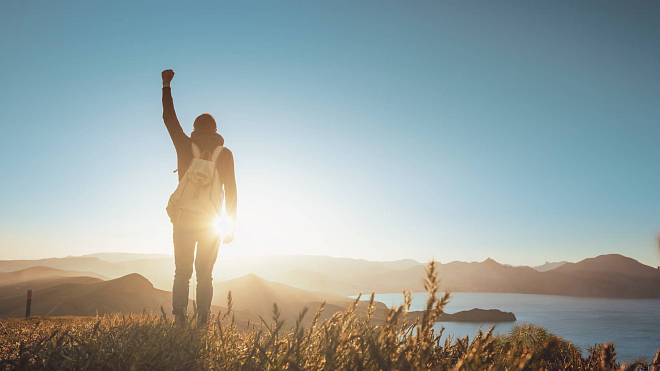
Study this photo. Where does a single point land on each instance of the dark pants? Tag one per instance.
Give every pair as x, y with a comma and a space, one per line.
185, 241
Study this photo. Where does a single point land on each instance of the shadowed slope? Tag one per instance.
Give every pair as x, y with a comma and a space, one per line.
603, 276
611, 263
20, 288
255, 295
129, 294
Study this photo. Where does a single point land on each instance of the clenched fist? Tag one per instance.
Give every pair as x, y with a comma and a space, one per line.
167, 75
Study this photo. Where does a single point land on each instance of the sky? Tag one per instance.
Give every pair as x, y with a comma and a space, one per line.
525, 131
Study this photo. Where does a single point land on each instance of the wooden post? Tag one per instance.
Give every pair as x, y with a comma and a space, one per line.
28, 304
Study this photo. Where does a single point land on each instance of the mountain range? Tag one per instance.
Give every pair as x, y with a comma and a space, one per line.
60, 293
83, 296
611, 275
547, 266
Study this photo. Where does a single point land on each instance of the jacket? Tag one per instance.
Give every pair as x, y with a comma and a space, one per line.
206, 142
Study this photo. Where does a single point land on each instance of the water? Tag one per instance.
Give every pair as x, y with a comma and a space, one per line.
633, 325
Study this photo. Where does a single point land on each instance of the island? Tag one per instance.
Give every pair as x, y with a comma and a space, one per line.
474, 315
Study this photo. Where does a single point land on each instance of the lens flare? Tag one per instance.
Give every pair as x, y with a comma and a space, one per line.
223, 225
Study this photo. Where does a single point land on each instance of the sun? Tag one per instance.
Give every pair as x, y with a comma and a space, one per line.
223, 225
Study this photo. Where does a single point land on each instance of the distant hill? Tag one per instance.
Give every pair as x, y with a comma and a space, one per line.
129, 294
254, 295
118, 257
20, 288
157, 269
603, 276
318, 281
39, 273
610, 275
611, 263
88, 296
70, 263
548, 266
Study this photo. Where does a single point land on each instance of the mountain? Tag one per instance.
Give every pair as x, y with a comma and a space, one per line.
254, 295
40, 273
344, 276
133, 293
118, 257
485, 276
21, 288
69, 263
158, 269
610, 275
548, 266
298, 282
602, 276
316, 281
611, 263
129, 294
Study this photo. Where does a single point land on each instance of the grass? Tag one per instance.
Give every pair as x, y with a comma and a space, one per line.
345, 341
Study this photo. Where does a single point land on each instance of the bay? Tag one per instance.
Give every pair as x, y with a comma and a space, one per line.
633, 325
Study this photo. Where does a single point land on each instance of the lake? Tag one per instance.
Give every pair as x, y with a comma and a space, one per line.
633, 325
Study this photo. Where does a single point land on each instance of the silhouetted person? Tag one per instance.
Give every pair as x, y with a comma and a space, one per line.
206, 184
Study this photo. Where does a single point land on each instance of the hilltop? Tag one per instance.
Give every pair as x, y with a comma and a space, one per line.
611, 275
88, 296
254, 295
548, 266
41, 272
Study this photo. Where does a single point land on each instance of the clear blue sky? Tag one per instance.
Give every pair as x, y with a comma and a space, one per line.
525, 131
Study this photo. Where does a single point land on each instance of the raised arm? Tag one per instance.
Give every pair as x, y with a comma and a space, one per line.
169, 115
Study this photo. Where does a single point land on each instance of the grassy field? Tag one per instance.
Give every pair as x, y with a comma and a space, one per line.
345, 341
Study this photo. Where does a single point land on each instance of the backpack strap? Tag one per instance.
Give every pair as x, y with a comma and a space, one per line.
216, 153
195, 151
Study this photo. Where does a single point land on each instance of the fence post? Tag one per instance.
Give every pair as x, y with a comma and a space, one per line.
28, 304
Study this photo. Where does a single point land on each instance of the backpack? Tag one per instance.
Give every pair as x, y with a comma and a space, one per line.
198, 198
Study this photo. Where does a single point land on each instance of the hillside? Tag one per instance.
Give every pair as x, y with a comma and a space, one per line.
611, 263
133, 293
610, 275
69, 263
119, 257
254, 295
20, 288
548, 266
602, 276
158, 269
40, 273
129, 294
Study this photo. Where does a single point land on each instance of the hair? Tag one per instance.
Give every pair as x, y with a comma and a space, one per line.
205, 123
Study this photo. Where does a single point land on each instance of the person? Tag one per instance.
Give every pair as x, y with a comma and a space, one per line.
188, 234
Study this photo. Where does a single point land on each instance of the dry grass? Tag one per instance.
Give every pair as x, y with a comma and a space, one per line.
345, 341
